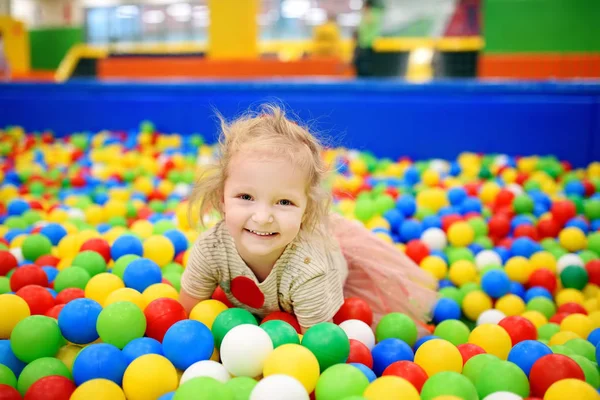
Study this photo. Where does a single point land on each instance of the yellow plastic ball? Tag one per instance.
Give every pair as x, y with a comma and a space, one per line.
475, 303
562, 337
94, 214
166, 187
358, 166
149, 377
98, 389
378, 222
591, 291
518, 269
57, 215
432, 198
591, 305
571, 389
437, 355
510, 305
535, 317
126, 294
305, 367
120, 194
101, 286
17, 241
159, 291
115, 208
391, 387
13, 309
527, 164
430, 177
461, 234
569, 296
67, 354
462, 271
577, 323
113, 234
543, 259
159, 249
509, 175
142, 228
64, 263
572, 239
86, 235
493, 339
595, 317
143, 184
69, 246
206, 311
436, 266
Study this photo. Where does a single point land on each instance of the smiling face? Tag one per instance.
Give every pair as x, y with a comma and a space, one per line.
264, 203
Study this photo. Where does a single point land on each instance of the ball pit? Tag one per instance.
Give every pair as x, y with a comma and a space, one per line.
90, 271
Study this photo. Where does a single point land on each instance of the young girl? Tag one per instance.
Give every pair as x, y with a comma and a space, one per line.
277, 247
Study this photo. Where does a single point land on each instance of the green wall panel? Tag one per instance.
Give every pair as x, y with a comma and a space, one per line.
49, 46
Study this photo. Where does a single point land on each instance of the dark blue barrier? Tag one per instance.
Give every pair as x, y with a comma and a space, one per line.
389, 118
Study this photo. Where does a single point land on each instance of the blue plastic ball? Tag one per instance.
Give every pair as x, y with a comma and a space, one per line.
495, 283
412, 176
365, 370
77, 320
517, 289
457, 195
431, 221
524, 247
504, 254
575, 188
179, 240
524, 354
445, 283
578, 223
445, 309
407, 205
411, 229
51, 273
388, 351
537, 291
8, 358
99, 361
141, 346
141, 273
187, 342
54, 232
395, 219
471, 204
594, 337
52, 292
126, 244
17, 206
167, 396
422, 340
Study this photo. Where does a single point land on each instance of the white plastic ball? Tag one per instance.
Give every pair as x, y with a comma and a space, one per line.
18, 254
501, 160
208, 368
503, 396
244, 350
515, 188
434, 238
76, 213
487, 257
440, 166
279, 387
492, 316
182, 189
358, 330
568, 260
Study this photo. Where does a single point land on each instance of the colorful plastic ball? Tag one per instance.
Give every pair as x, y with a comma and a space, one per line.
35, 337
468, 351
389, 351
51, 388
77, 320
9, 393
397, 325
35, 246
510, 304
492, 316
518, 269
206, 368
574, 277
71, 278
410, 229
178, 239
101, 285
472, 368
54, 232
354, 308
283, 316
7, 377
499, 376
409, 371
206, 311
572, 239
159, 249
462, 272
39, 299
493, 339
8, 358
568, 260
359, 354
357, 329
475, 303
328, 342
571, 388
452, 330
365, 370
149, 377
187, 342
279, 387
244, 350
142, 273
580, 324
416, 250
525, 353
13, 309
341, 381
229, 319
141, 346
280, 332
99, 361
382, 387
519, 329
28, 275
126, 294
38, 369
495, 283
305, 367
594, 337
543, 305
91, 261
434, 238
158, 291
7, 262
446, 309
592, 375
240, 386
98, 245
461, 234
119, 323
125, 245
160, 315
448, 383
552, 368
438, 355
582, 347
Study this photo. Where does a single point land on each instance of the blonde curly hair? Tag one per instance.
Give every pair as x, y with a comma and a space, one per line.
267, 133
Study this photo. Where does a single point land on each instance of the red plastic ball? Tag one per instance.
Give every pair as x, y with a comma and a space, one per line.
51, 388
28, 275
552, 368
161, 314
506, 243
98, 245
449, 220
55, 311
37, 298
558, 317
468, 350
498, 226
220, 295
519, 329
543, 278
548, 228
68, 295
9, 393
47, 259
593, 270
7, 262
589, 187
572, 308
359, 353
283, 316
563, 210
408, 370
179, 258
526, 230
354, 308
416, 250
504, 198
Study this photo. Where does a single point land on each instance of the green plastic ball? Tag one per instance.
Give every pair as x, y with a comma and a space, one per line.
593, 242
172, 267
4, 284
91, 261
122, 263
241, 387
498, 376
117, 221
121, 322
475, 364
587, 256
364, 210
35, 246
459, 253
574, 277
583, 348
280, 332
340, 381
229, 319
157, 206
591, 209
203, 388
174, 279
383, 203
7, 376
523, 204
479, 226
543, 305
397, 325
548, 330
35, 337
549, 243
590, 370
328, 342
451, 292
562, 349
453, 331
72, 277
41, 368
448, 383
31, 217
557, 252
162, 226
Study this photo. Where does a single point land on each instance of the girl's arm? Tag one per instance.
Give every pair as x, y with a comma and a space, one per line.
188, 301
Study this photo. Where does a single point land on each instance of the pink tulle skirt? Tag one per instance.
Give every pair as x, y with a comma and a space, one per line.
382, 275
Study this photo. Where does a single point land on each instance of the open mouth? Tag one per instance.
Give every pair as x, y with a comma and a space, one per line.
261, 234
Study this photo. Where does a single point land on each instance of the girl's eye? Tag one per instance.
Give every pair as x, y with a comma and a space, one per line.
285, 202
245, 197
